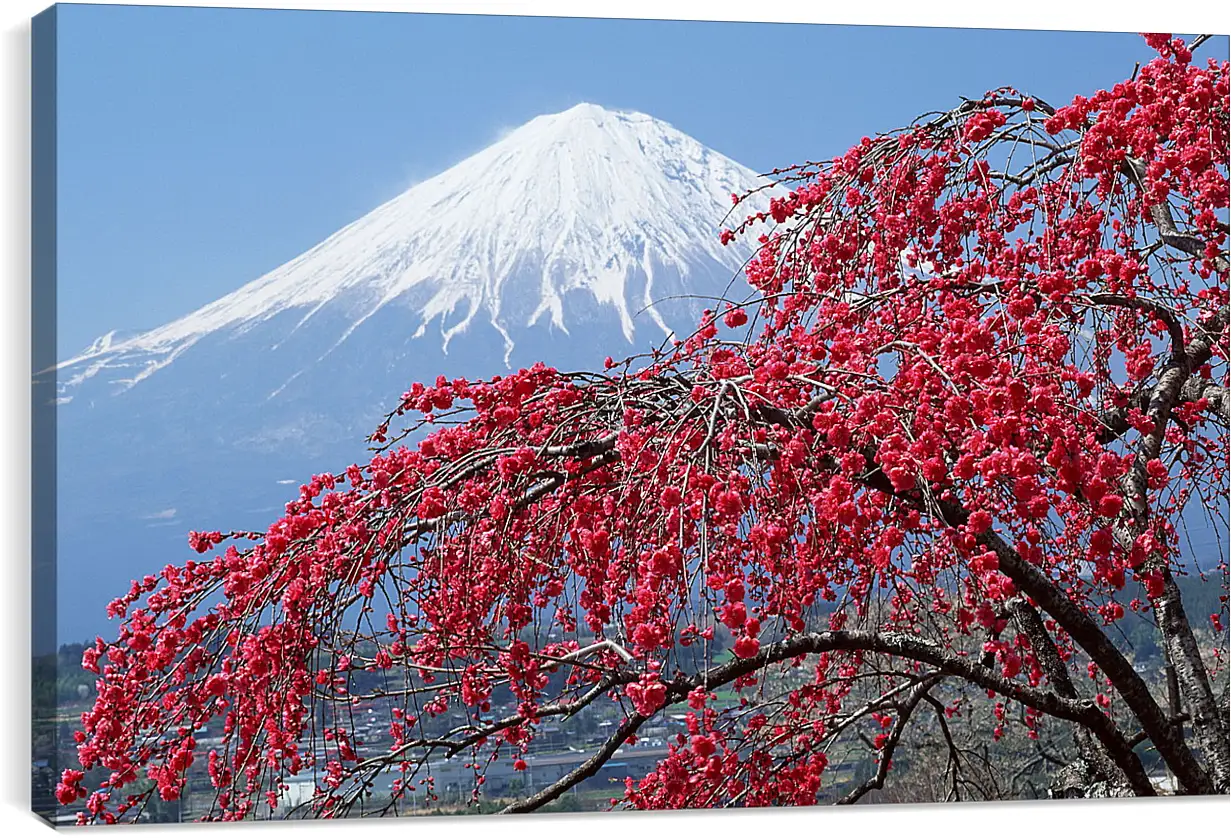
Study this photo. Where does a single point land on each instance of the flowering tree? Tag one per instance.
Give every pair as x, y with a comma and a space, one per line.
947, 445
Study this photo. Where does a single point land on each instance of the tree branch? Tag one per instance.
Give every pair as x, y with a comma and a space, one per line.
1085, 713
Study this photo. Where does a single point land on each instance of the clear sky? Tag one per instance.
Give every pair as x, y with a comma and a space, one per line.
202, 147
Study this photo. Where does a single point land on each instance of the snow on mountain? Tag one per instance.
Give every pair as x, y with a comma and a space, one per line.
617, 209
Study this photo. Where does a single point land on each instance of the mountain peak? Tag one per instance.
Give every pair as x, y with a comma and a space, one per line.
585, 123
590, 112
585, 110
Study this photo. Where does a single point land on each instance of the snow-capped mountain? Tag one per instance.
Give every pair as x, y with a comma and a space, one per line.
615, 209
578, 235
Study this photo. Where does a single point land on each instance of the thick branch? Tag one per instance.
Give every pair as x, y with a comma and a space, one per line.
1162, 312
1031, 624
587, 769
1209, 726
1085, 713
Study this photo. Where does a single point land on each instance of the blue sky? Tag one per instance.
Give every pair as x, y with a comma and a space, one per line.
202, 147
